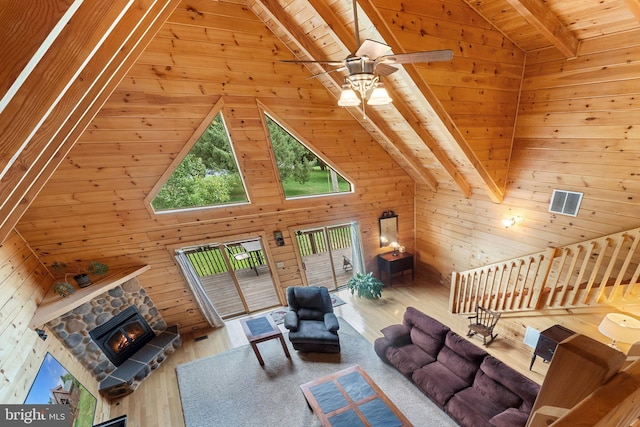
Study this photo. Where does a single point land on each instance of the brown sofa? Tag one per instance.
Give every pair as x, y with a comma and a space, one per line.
472, 387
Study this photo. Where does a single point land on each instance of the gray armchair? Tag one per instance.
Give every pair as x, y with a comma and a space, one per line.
310, 320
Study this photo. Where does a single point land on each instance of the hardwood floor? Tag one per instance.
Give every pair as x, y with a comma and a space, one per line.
157, 401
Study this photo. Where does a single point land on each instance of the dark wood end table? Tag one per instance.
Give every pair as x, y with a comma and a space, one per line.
391, 264
548, 341
350, 397
259, 329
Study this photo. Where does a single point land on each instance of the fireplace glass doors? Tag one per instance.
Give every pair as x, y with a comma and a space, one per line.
123, 335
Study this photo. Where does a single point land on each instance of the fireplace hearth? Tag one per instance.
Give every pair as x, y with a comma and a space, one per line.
123, 335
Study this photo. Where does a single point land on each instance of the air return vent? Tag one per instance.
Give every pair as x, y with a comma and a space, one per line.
565, 202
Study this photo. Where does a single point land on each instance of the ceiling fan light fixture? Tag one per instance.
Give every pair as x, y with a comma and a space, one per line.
348, 97
379, 96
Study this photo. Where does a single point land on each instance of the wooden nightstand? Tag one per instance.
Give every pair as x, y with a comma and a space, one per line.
391, 264
548, 341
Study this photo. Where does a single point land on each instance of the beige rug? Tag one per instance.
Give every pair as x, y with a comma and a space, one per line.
231, 389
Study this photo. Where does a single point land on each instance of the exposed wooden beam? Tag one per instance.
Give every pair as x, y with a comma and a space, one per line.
348, 38
634, 6
548, 24
65, 91
375, 123
495, 192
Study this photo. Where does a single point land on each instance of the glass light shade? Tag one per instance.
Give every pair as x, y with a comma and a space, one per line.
348, 98
379, 96
620, 327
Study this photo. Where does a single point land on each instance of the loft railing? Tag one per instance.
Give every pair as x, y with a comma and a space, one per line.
593, 272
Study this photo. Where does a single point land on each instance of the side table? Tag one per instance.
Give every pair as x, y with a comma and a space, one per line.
548, 341
259, 329
392, 264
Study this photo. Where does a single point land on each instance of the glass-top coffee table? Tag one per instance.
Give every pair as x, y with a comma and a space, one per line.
259, 329
350, 398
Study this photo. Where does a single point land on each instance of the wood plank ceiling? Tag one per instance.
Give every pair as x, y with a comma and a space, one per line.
451, 124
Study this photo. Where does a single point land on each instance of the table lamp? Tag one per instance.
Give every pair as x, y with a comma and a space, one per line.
620, 327
395, 247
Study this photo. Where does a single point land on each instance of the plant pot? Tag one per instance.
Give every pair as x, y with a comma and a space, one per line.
83, 280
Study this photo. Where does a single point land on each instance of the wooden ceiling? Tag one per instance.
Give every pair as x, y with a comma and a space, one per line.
450, 125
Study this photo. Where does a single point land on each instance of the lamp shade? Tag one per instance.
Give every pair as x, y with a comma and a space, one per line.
348, 98
620, 327
379, 96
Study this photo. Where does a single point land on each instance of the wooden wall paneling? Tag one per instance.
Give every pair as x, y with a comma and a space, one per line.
134, 27
24, 282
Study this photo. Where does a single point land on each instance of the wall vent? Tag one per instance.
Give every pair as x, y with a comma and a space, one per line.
565, 202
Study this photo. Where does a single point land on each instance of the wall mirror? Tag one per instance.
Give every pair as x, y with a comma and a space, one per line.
388, 228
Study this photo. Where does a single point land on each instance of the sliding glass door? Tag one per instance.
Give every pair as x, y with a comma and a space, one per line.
235, 276
327, 255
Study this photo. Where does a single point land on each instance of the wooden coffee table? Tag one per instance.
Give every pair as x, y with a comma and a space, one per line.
259, 329
351, 398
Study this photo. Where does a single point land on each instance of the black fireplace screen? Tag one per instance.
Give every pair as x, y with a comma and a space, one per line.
123, 335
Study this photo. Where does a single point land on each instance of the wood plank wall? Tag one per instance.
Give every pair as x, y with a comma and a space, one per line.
208, 52
23, 284
577, 130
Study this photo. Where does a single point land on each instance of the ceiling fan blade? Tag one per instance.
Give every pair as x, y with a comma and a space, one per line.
372, 49
326, 72
297, 61
411, 58
384, 69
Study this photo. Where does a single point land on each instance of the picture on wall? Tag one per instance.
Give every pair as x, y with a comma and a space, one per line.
55, 385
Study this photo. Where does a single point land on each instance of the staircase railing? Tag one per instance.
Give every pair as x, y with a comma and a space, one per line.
594, 272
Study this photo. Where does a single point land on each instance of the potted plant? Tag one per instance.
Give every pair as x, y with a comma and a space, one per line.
365, 285
81, 277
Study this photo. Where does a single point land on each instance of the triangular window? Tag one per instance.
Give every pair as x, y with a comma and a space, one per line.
207, 176
303, 173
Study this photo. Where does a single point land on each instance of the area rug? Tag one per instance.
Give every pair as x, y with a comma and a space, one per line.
231, 389
278, 314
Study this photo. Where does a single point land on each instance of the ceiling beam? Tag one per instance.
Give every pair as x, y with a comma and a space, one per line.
348, 38
373, 122
634, 6
495, 192
85, 64
548, 24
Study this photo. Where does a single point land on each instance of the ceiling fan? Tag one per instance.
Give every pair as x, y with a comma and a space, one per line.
367, 64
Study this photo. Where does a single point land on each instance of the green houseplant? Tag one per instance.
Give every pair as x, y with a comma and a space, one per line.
81, 277
365, 285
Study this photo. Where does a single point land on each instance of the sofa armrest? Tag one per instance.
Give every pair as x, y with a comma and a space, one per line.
397, 335
291, 321
331, 322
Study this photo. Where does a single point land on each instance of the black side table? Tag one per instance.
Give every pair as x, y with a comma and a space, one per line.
392, 264
548, 341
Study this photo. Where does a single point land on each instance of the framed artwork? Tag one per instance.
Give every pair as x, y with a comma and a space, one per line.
55, 385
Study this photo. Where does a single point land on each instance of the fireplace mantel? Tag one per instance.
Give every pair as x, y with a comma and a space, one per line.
53, 305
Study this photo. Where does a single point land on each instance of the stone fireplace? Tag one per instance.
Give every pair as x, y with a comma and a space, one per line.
118, 319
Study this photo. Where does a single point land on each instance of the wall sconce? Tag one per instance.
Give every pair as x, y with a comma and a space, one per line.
41, 333
620, 327
508, 222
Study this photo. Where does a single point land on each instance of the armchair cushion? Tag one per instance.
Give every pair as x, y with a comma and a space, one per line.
331, 322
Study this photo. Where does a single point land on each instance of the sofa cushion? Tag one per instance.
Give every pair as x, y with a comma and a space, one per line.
461, 357
523, 387
408, 358
471, 408
496, 392
512, 417
397, 335
426, 332
438, 382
